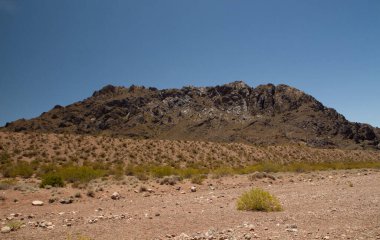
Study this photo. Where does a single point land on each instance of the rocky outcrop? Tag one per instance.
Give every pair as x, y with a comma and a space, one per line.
267, 114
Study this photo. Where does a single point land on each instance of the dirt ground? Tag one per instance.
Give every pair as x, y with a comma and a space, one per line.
319, 205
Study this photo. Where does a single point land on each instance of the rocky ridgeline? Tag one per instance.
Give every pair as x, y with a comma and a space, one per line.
233, 112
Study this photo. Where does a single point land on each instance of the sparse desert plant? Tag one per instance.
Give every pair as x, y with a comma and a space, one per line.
18, 169
118, 171
4, 157
198, 179
7, 184
257, 199
161, 171
269, 166
142, 176
189, 172
82, 174
53, 180
222, 172
14, 225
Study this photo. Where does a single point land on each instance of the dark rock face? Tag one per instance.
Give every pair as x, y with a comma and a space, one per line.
267, 114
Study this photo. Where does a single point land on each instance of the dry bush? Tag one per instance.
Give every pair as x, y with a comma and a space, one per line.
258, 200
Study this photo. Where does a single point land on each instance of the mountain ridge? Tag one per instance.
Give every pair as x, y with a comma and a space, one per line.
234, 112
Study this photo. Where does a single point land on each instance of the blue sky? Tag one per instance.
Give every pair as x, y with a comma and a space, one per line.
58, 52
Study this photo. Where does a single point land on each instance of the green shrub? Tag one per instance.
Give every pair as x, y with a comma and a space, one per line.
52, 180
269, 167
161, 171
222, 172
82, 174
18, 169
258, 200
4, 158
47, 168
118, 172
189, 172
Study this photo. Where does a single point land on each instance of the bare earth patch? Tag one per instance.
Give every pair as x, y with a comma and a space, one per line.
318, 205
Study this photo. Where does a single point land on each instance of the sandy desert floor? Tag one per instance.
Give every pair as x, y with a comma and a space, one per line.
341, 204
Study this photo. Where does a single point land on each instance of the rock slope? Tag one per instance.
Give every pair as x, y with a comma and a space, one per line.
234, 112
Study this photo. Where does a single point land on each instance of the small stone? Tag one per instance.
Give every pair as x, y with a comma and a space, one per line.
183, 236
91, 221
115, 196
66, 201
6, 229
193, 189
37, 203
326, 237
292, 226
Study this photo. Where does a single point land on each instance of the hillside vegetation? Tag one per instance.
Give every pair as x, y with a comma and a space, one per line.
25, 154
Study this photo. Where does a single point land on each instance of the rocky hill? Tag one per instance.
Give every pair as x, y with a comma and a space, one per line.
234, 112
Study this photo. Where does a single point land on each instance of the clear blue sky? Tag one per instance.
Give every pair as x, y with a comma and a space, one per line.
58, 52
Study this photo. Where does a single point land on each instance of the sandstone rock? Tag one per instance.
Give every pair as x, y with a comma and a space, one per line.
37, 203
6, 229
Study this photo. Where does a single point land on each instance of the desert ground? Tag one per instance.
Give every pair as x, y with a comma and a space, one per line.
341, 204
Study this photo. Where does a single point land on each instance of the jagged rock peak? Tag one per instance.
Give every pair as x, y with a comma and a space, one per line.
237, 85
105, 90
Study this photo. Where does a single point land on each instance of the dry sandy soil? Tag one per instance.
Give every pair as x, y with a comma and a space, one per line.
318, 205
